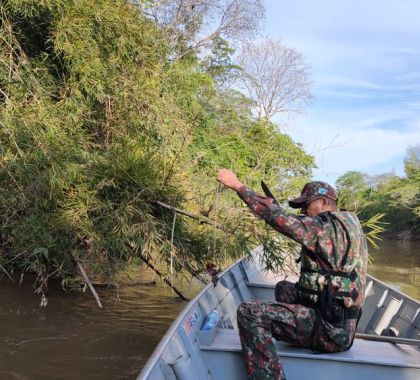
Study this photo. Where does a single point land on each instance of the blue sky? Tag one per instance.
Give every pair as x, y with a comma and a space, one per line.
365, 59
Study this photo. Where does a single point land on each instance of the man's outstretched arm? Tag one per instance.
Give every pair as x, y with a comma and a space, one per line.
304, 230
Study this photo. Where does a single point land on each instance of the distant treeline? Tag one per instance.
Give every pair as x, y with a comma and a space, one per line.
396, 197
111, 108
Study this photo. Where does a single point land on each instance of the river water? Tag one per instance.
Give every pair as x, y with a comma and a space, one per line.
72, 338
397, 263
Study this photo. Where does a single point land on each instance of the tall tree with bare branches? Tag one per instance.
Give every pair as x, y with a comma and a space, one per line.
276, 78
191, 25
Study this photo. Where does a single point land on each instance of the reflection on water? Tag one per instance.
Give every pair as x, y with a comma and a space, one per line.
398, 263
73, 339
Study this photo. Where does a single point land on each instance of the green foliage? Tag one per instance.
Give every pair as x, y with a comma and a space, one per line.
398, 198
98, 123
218, 64
374, 227
412, 162
351, 187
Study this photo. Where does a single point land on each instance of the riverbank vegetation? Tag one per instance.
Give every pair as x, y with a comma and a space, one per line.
398, 198
110, 110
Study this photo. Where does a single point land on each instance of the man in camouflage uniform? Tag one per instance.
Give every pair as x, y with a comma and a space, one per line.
321, 311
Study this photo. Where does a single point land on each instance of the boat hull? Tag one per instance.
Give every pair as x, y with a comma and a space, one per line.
187, 353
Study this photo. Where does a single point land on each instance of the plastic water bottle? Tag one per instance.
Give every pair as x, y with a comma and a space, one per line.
211, 321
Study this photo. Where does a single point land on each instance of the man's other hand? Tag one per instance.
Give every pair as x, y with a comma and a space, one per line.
228, 178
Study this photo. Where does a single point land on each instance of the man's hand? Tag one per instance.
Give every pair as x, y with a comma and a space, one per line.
228, 178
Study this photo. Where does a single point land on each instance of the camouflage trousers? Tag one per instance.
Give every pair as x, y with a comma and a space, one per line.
288, 321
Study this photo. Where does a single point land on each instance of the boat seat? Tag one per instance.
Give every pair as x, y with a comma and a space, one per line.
363, 351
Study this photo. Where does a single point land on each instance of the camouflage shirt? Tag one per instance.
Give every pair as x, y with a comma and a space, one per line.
325, 240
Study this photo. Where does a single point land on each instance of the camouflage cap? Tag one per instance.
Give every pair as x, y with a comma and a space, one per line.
313, 190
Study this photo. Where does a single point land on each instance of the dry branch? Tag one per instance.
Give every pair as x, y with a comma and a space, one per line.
87, 281
198, 217
161, 275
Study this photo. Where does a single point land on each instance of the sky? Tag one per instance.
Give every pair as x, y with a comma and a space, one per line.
365, 65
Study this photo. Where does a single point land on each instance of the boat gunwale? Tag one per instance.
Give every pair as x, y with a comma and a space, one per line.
391, 287
158, 351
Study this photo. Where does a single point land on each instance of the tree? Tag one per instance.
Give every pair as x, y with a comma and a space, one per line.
412, 161
397, 197
191, 25
351, 187
100, 127
409, 193
218, 64
276, 78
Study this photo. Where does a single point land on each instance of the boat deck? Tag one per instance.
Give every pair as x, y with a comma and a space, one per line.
363, 351
366, 358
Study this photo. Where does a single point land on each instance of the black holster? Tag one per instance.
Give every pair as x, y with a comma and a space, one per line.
332, 310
